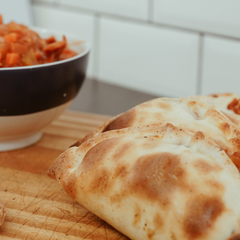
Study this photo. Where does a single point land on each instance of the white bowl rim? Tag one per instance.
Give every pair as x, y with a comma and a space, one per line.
85, 43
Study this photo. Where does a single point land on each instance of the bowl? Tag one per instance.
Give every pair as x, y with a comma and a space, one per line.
31, 97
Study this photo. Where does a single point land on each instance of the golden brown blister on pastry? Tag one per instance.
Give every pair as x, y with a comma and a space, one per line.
2, 214
155, 183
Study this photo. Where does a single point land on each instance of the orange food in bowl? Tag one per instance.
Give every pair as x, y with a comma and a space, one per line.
21, 46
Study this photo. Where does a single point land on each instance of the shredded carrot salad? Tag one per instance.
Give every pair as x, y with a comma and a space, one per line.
20, 46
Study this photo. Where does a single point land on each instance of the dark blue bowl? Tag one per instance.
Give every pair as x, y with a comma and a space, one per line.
32, 97
25, 90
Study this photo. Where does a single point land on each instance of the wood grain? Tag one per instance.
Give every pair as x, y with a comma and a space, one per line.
36, 206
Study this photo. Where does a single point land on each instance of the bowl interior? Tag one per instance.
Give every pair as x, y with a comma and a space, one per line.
75, 42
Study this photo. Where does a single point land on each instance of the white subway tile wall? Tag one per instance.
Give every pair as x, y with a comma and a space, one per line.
221, 69
137, 56
162, 47
214, 16
129, 8
23, 14
49, 1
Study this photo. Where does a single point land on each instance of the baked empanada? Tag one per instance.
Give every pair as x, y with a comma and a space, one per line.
186, 113
158, 182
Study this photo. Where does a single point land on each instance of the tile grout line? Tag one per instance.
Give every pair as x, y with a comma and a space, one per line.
96, 56
96, 45
200, 64
150, 11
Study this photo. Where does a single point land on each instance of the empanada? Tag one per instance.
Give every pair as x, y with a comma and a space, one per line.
158, 182
186, 113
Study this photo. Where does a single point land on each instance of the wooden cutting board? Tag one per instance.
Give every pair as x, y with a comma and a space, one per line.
36, 206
